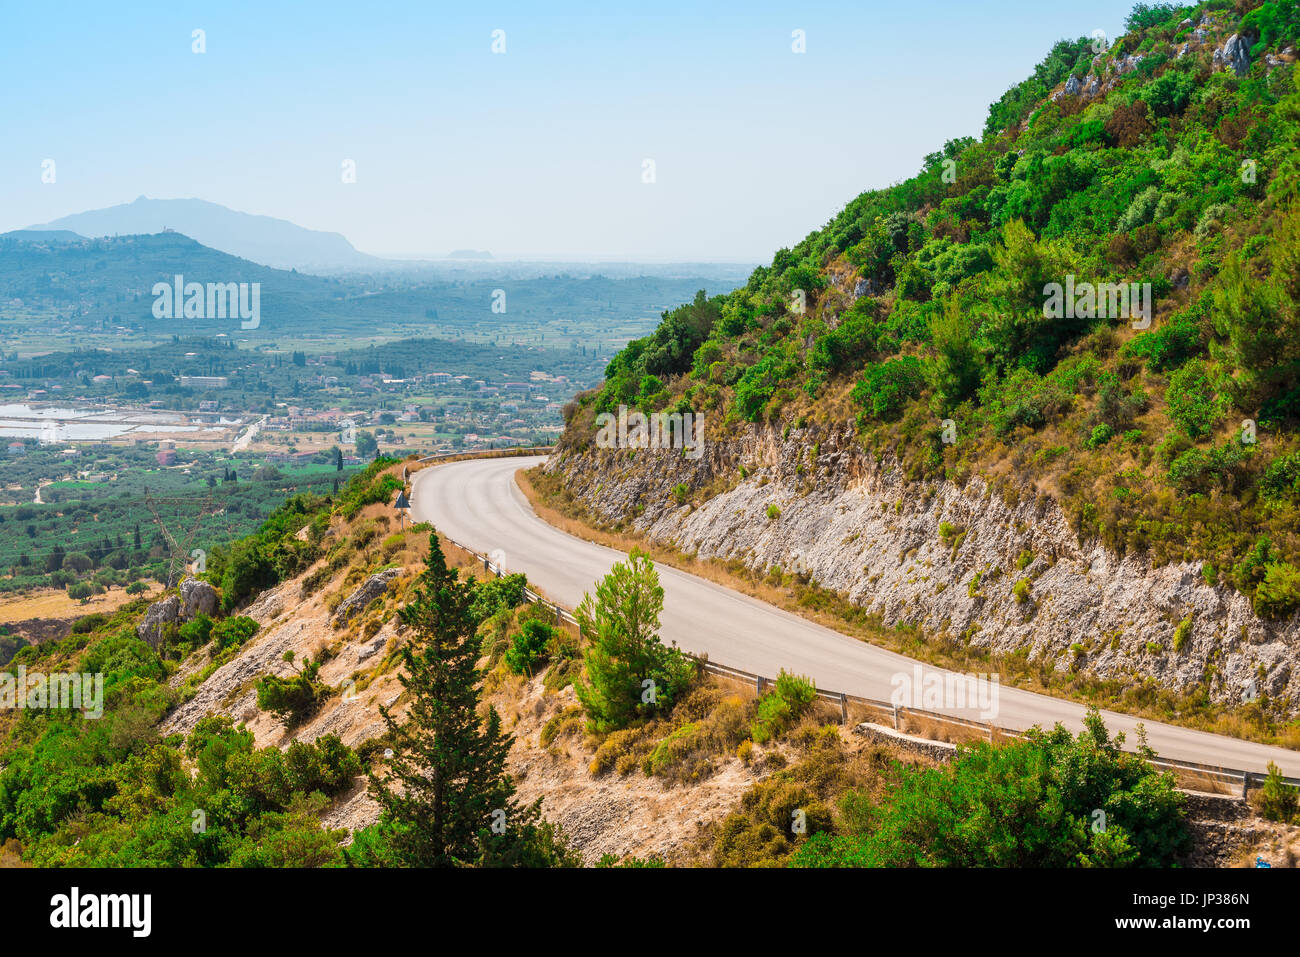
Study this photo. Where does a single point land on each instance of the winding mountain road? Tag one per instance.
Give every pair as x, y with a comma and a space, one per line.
477, 503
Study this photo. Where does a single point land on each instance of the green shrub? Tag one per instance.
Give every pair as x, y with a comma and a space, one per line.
781, 706
1278, 595
292, 699
1183, 633
1282, 477
849, 343
1199, 470
885, 387
1100, 436
756, 387
1278, 801
233, 632
1193, 402
1026, 804
1021, 591
773, 511
498, 595
87, 623
529, 648
196, 632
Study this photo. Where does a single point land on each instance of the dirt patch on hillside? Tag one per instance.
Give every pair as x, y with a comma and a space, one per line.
54, 603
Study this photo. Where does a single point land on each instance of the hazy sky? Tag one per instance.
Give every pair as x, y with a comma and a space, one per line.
538, 151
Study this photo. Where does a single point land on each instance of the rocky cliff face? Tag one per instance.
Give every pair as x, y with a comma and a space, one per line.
858, 527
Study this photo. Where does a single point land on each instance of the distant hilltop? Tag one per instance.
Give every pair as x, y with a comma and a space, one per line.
272, 242
43, 235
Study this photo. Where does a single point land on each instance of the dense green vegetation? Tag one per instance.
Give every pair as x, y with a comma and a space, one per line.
111, 792
928, 307
1052, 801
274, 552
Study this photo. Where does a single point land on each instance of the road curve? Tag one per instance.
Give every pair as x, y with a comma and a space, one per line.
477, 503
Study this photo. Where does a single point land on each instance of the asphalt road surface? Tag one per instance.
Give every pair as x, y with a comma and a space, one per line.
477, 503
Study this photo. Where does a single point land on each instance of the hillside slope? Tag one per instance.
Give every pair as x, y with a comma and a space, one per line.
941, 406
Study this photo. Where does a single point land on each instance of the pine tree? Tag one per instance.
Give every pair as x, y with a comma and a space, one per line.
454, 802
630, 673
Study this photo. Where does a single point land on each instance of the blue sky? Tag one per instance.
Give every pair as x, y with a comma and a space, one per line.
537, 152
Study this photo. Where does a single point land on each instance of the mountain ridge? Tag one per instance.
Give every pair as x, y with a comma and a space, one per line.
266, 240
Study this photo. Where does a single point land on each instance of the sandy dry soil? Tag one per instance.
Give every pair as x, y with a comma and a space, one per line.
55, 603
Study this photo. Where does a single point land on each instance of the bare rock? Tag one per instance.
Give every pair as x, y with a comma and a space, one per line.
160, 614
859, 527
268, 606
370, 589
1234, 55
1128, 64
372, 648
197, 597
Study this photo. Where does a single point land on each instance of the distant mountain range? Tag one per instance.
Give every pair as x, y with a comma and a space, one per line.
261, 239
280, 244
58, 280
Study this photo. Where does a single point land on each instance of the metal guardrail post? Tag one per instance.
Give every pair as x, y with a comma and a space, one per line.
758, 686
844, 708
558, 619
895, 717
1245, 785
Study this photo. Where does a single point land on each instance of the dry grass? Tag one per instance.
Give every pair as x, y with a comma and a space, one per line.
1190, 780
923, 726
55, 603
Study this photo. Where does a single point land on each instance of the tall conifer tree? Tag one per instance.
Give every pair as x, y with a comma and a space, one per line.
446, 797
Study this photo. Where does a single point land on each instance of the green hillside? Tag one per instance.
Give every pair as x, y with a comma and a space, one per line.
929, 318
